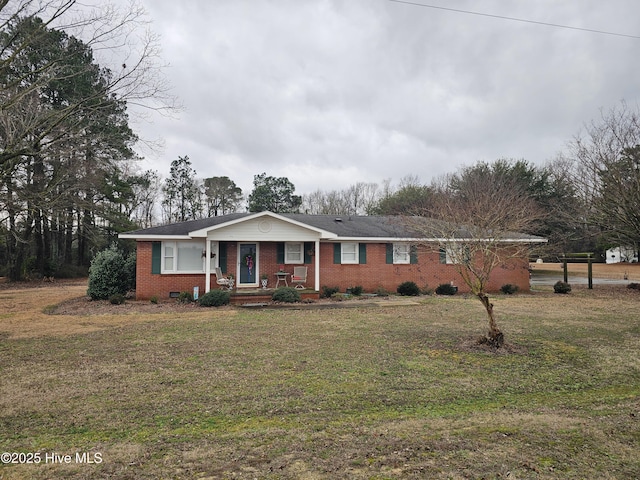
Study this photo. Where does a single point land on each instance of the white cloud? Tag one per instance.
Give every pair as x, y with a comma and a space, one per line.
329, 93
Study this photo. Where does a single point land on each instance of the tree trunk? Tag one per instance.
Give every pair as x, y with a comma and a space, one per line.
495, 337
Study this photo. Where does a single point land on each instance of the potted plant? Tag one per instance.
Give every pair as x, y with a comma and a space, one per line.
264, 279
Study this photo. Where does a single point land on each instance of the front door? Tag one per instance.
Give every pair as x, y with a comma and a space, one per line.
248, 264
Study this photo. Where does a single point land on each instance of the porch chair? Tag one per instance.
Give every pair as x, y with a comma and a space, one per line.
299, 276
221, 279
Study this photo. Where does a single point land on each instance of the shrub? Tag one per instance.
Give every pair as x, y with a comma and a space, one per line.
634, 286
130, 270
185, 297
154, 299
286, 295
328, 291
561, 287
116, 299
509, 289
215, 298
109, 274
408, 289
357, 290
446, 289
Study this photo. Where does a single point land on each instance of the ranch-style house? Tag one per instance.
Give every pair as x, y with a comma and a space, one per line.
335, 251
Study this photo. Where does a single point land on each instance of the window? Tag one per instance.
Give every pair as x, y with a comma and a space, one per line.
455, 254
349, 253
293, 253
183, 257
401, 253
168, 256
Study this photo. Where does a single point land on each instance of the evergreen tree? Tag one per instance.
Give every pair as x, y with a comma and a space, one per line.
275, 194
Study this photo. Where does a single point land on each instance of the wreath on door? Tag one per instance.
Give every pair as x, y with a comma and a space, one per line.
247, 261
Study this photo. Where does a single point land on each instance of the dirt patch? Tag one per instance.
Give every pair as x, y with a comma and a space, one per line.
628, 271
86, 306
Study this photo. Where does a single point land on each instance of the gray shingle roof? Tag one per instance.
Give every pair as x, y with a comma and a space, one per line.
344, 226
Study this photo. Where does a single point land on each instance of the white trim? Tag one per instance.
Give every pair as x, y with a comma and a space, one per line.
204, 231
287, 261
154, 238
356, 253
256, 266
396, 253
431, 240
317, 269
174, 244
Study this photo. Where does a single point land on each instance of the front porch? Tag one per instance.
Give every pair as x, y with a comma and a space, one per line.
263, 295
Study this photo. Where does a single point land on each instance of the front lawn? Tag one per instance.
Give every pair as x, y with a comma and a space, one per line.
370, 393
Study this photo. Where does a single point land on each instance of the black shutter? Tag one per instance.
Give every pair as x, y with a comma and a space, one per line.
413, 254
280, 253
308, 247
362, 253
222, 259
337, 253
156, 257
389, 253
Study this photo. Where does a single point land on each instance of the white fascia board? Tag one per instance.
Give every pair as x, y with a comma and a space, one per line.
434, 240
204, 231
150, 238
502, 240
380, 239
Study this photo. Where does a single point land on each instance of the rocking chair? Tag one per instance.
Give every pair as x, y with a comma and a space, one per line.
299, 277
222, 280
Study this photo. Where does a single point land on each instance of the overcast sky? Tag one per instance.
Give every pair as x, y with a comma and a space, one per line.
332, 92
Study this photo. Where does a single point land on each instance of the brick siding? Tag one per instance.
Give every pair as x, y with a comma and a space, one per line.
376, 273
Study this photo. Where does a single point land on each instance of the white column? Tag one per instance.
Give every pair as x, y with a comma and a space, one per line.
207, 267
317, 273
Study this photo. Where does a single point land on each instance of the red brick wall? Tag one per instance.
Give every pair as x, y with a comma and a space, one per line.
148, 284
428, 272
372, 275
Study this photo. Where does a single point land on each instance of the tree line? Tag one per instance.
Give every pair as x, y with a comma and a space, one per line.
69, 181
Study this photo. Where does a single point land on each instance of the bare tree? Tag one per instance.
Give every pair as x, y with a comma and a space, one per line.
478, 218
606, 173
64, 121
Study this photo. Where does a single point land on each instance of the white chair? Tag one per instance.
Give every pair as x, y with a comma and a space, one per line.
221, 279
299, 276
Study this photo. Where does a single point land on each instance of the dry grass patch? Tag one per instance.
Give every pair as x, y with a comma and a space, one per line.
33, 310
394, 392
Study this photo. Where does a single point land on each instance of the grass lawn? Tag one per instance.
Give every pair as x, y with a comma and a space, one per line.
364, 393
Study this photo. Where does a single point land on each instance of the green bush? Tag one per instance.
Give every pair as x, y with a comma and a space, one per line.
328, 291
357, 290
130, 270
446, 289
185, 297
561, 287
116, 299
154, 299
286, 295
509, 289
215, 298
110, 274
408, 289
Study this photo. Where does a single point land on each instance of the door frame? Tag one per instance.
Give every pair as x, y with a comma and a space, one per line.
256, 267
